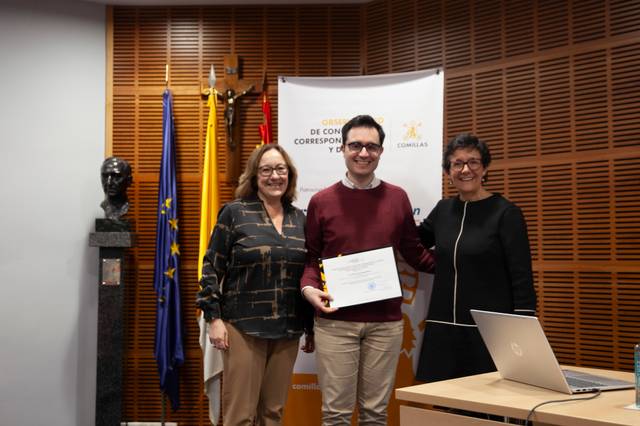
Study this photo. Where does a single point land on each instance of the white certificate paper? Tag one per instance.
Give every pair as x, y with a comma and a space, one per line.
362, 277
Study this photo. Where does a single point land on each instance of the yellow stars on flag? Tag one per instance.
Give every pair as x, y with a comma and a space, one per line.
169, 272
166, 205
175, 248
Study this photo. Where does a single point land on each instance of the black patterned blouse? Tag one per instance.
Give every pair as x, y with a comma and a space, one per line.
251, 273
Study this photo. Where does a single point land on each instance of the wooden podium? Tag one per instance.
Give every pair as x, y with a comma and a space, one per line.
488, 393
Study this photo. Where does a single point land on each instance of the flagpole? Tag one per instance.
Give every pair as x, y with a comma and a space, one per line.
164, 408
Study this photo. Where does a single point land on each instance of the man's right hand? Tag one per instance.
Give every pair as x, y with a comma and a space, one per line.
318, 299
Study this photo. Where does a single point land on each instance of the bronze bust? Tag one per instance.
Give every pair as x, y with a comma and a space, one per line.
115, 175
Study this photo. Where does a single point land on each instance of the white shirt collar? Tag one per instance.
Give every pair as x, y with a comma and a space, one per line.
347, 182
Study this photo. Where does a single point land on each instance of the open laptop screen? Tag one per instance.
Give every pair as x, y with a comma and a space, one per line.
522, 353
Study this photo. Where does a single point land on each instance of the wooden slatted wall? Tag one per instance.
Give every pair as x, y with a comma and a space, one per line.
552, 86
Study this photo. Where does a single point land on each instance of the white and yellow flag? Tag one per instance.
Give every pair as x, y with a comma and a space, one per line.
210, 200
209, 205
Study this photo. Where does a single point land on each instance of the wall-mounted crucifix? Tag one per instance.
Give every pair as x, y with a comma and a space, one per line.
229, 89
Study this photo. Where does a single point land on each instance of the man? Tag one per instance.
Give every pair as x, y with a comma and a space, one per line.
115, 175
357, 347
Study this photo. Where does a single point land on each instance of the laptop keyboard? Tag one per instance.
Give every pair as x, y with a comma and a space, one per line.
579, 383
585, 380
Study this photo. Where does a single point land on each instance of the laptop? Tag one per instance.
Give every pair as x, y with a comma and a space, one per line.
521, 352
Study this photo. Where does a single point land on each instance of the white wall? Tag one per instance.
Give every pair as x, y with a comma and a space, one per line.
52, 97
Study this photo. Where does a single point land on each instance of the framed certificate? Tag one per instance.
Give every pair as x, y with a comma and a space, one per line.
362, 277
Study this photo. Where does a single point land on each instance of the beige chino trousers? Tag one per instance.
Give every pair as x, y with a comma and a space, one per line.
356, 363
256, 378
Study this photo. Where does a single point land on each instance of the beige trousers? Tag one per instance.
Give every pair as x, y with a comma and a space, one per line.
356, 363
256, 378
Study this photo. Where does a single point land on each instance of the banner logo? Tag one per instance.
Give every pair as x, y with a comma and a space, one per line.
411, 137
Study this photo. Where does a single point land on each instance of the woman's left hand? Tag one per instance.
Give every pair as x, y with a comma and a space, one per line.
218, 335
309, 344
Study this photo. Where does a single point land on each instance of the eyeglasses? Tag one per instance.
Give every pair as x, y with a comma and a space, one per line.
372, 148
266, 171
473, 164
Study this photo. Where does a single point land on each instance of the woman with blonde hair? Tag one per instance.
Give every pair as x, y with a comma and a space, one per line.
251, 289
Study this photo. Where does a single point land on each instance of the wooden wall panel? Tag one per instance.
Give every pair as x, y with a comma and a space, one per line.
149, 138
588, 20
557, 289
626, 189
591, 101
377, 39
625, 329
429, 36
185, 46
458, 107
314, 49
518, 27
124, 50
126, 130
555, 106
523, 190
458, 46
555, 183
624, 17
152, 46
402, 45
551, 85
345, 48
594, 340
593, 202
489, 109
625, 96
520, 126
553, 19
487, 30
146, 214
189, 132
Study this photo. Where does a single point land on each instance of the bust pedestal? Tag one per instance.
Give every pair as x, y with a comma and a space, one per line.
112, 237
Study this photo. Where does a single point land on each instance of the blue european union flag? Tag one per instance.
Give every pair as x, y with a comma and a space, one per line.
168, 351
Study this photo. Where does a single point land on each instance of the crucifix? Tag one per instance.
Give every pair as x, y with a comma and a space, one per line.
229, 89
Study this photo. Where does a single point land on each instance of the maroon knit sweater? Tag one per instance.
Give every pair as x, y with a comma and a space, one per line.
342, 220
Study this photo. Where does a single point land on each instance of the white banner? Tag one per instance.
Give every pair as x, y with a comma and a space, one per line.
312, 111
409, 106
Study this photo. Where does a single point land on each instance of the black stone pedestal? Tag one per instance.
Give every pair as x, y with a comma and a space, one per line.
112, 237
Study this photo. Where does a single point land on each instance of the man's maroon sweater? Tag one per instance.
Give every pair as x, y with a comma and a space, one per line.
342, 220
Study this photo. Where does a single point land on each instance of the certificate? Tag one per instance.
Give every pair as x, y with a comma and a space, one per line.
362, 277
